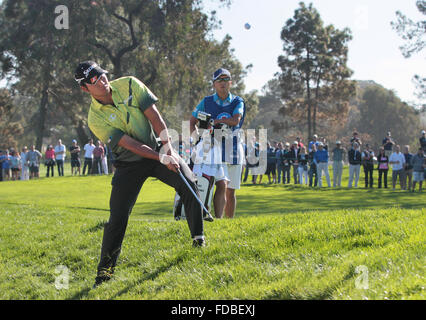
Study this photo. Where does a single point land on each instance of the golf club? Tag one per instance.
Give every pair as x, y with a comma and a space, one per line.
209, 216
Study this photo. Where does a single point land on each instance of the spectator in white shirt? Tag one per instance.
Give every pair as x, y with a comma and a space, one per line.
25, 171
397, 160
88, 156
60, 157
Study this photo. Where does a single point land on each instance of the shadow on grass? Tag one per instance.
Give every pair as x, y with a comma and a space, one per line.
153, 274
81, 294
302, 199
163, 209
88, 208
100, 225
145, 277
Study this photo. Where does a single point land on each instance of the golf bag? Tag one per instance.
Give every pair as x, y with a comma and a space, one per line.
205, 186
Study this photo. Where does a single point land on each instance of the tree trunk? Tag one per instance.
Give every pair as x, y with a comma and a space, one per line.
42, 115
308, 90
117, 68
314, 120
81, 133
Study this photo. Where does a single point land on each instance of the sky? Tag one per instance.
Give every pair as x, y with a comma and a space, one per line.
374, 52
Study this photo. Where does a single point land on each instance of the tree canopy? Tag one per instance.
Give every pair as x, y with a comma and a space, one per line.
165, 43
314, 76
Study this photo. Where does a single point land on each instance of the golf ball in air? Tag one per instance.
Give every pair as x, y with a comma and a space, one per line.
247, 26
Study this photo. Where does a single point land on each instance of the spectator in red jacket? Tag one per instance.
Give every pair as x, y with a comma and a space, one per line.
98, 155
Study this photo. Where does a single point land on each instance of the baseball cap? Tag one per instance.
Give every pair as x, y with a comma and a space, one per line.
74, 140
315, 136
287, 144
423, 132
338, 142
220, 72
88, 72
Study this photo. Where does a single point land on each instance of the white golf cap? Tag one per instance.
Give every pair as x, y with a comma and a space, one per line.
315, 136
287, 144
320, 144
295, 142
74, 140
338, 142
423, 132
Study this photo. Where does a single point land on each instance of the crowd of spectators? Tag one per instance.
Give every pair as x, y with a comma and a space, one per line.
310, 164
27, 164
286, 163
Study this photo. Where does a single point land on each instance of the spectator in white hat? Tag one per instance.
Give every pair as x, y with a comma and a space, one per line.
314, 141
354, 158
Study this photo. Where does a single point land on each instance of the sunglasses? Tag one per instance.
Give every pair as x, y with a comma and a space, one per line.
223, 79
80, 81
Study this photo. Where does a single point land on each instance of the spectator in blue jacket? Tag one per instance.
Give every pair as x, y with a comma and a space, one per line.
321, 160
279, 162
5, 165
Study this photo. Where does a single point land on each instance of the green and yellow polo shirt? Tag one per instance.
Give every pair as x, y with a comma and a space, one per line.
110, 122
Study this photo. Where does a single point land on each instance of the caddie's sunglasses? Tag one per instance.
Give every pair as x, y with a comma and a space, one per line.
223, 79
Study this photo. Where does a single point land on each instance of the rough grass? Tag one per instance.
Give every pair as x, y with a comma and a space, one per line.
287, 242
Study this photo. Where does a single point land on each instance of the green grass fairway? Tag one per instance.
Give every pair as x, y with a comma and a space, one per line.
286, 242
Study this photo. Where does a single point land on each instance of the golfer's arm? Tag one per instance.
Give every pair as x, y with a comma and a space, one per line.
138, 148
158, 124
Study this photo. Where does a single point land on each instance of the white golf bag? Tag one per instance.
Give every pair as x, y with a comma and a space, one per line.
205, 186
202, 155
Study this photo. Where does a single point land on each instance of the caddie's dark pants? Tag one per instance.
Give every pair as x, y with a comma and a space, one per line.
126, 185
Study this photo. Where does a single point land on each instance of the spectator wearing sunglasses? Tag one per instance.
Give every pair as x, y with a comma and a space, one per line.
226, 110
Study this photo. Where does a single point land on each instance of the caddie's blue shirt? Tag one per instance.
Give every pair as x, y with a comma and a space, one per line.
238, 110
213, 104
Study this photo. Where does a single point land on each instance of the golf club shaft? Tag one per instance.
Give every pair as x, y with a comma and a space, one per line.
193, 192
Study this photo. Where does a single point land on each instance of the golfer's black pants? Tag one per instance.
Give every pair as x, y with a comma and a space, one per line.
126, 185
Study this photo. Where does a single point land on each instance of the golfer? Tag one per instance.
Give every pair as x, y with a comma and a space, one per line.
123, 115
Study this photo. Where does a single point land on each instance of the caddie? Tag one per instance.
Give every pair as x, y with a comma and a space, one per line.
226, 109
